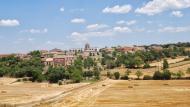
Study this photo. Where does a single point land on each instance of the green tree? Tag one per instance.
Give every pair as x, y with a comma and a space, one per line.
157, 75
97, 72
146, 65
76, 75
165, 64
179, 74
166, 75
109, 74
2, 73
188, 71
35, 53
128, 72
56, 74
138, 74
88, 62
116, 75
138, 61
110, 64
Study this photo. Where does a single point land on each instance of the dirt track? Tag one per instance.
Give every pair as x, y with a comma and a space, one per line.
28, 94
84, 94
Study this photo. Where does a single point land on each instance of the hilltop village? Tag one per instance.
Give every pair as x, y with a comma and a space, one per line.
57, 77
91, 63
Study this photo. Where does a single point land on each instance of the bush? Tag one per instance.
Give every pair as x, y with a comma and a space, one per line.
1, 74
109, 75
117, 75
179, 74
165, 64
76, 76
19, 80
157, 75
188, 71
60, 82
138, 74
147, 77
25, 79
166, 75
125, 77
146, 65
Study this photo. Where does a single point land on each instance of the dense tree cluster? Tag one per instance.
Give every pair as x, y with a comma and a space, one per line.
33, 67
141, 58
15, 67
165, 75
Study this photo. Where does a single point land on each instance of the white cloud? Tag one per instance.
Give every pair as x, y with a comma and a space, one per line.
81, 37
171, 29
96, 26
122, 29
131, 22
121, 22
62, 9
78, 37
118, 9
177, 13
23, 40
78, 20
157, 6
34, 31
93, 34
54, 43
9, 22
30, 39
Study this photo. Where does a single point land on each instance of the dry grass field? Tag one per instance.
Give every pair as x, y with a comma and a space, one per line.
107, 93
144, 94
20, 93
100, 94
135, 93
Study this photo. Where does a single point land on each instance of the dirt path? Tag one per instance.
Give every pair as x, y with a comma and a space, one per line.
82, 96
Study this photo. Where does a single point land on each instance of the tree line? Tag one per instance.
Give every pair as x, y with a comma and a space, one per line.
33, 67
140, 59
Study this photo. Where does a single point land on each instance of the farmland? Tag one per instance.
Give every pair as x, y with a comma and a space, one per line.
104, 93
122, 93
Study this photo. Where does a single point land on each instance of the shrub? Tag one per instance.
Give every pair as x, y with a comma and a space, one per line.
76, 77
179, 74
138, 74
117, 75
165, 64
157, 75
147, 77
109, 75
25, 79
60, 82
125, 77
188, 71
146, 65
166, 75
127, 72
1, 73
19, 80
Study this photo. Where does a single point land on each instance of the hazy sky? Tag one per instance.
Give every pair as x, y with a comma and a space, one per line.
45, 24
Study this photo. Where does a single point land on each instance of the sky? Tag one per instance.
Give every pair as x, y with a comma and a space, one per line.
27, 25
